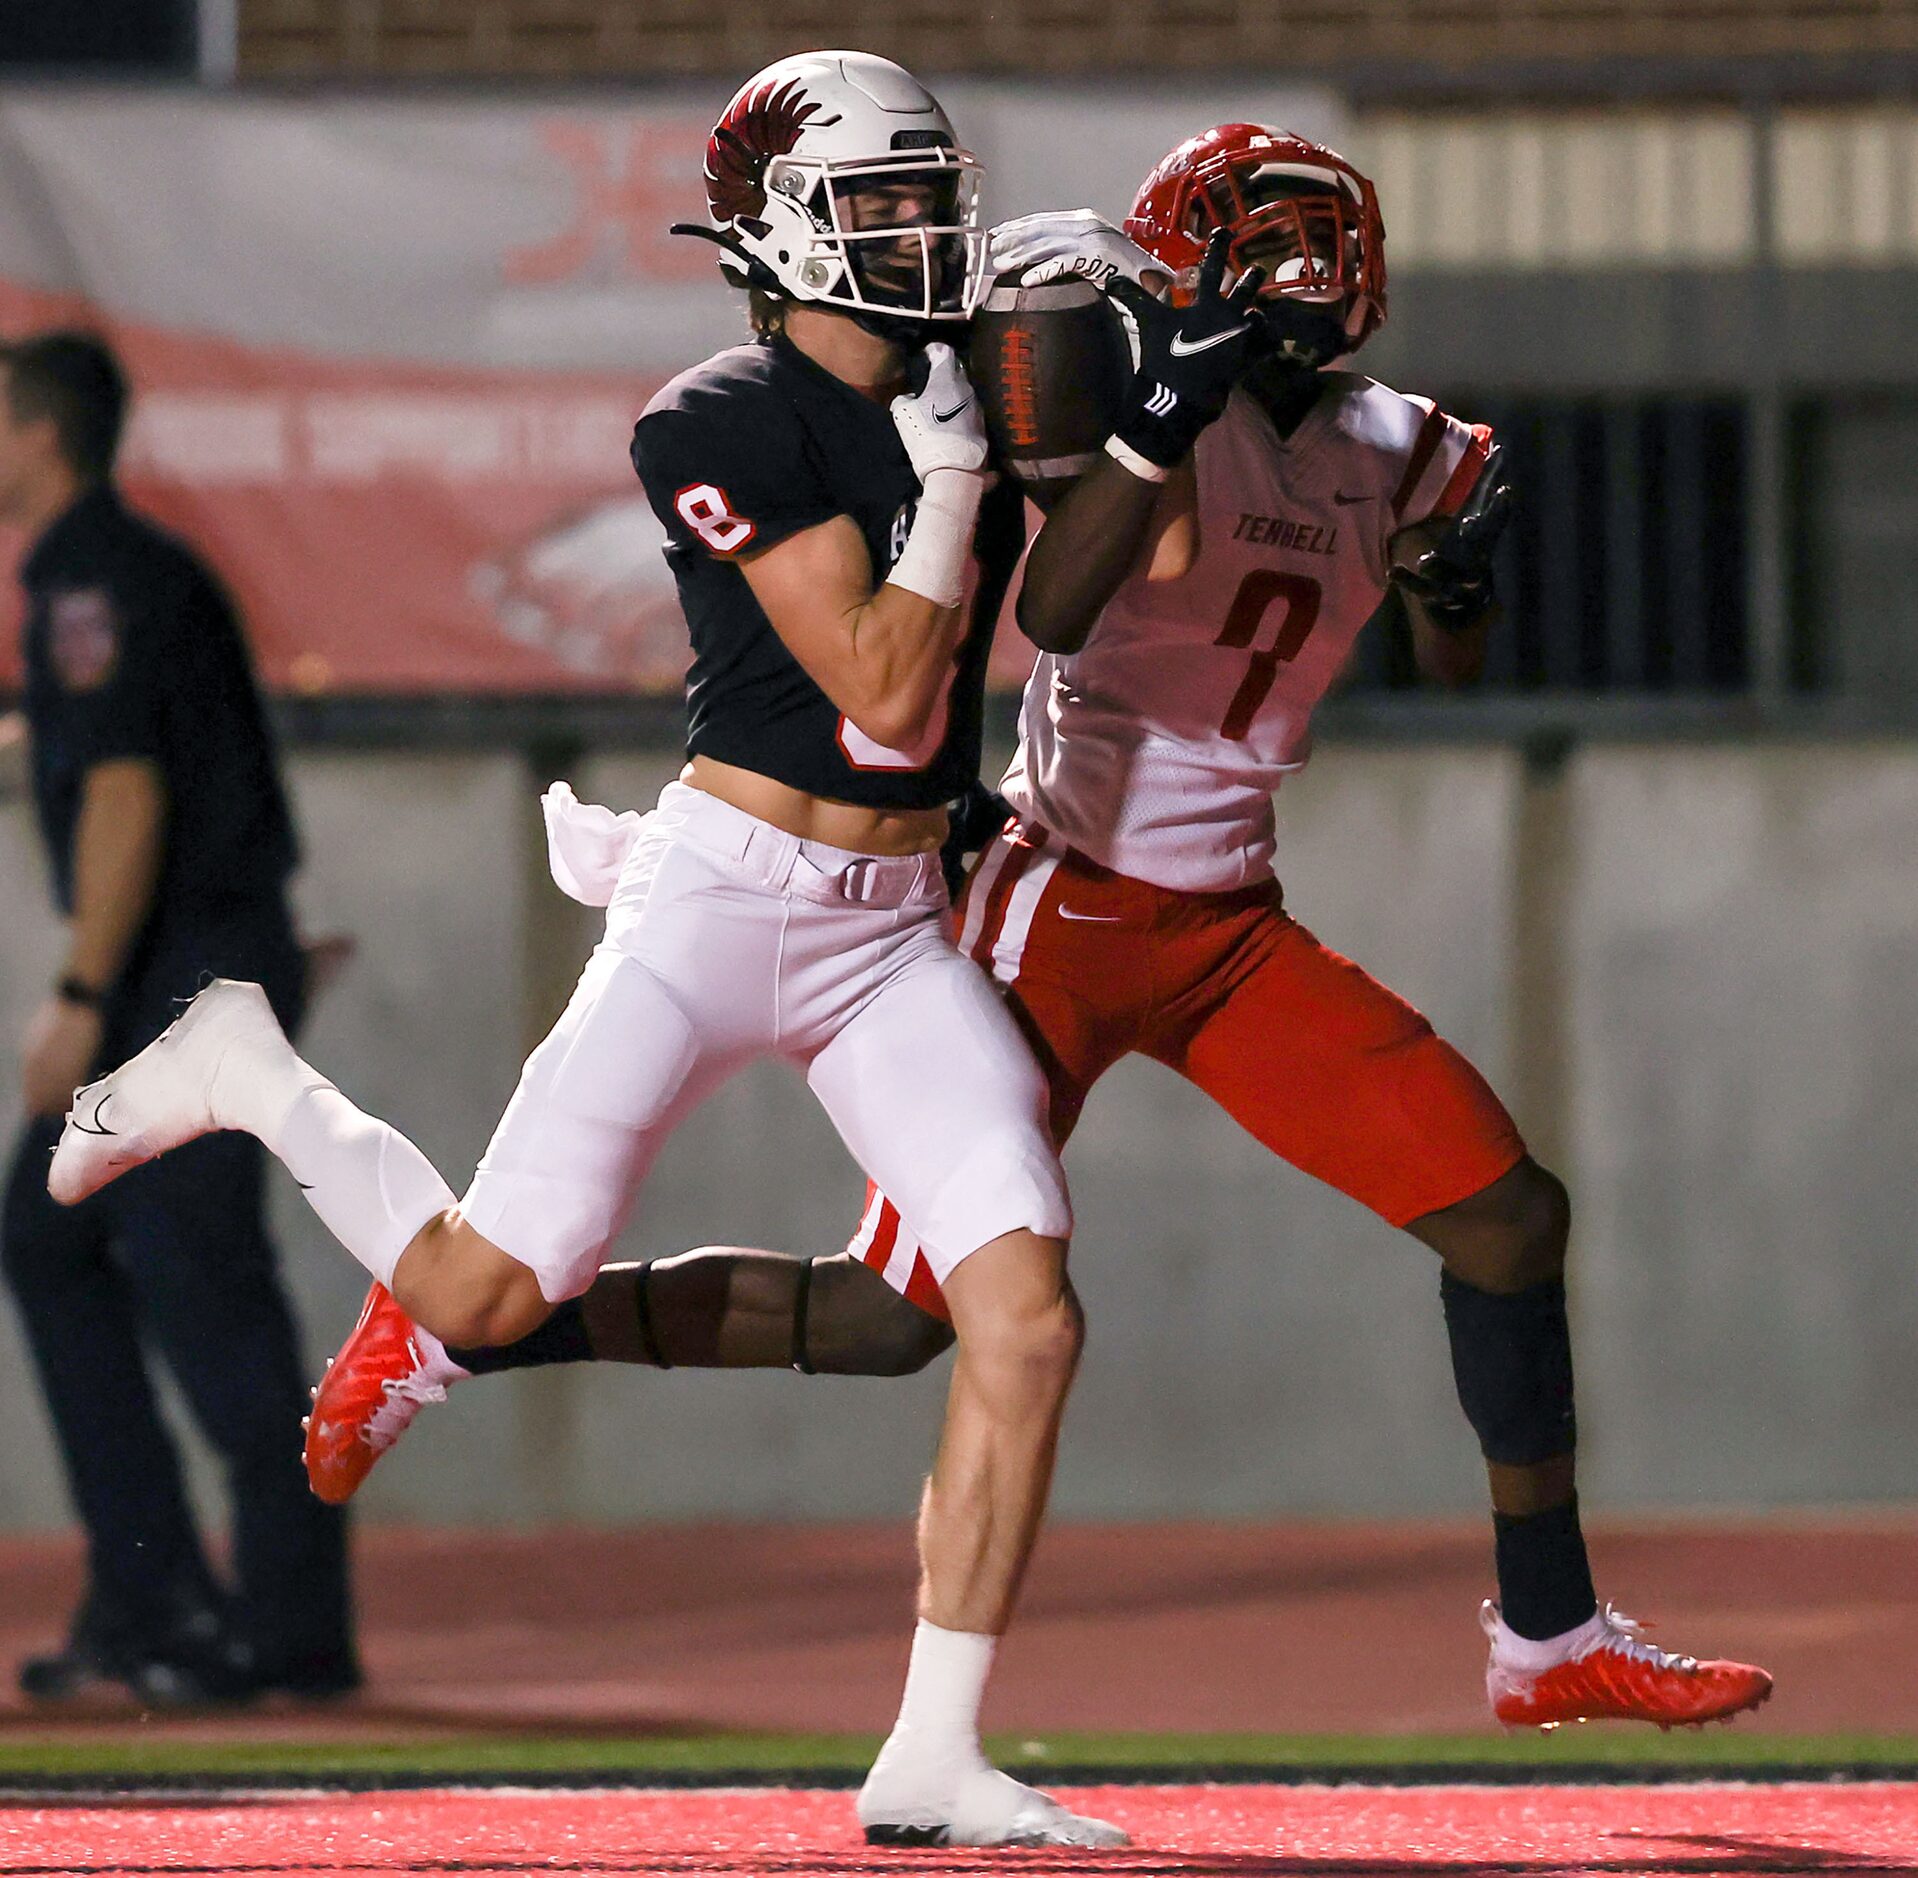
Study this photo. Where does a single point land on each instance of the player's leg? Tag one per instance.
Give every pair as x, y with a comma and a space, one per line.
936, 1095
718, 1307
1019, 1336
1555, 1655
737, 1307
734, 1307
226, 1063
874, 1309
1347, 1081
1502, 1286
595, 1103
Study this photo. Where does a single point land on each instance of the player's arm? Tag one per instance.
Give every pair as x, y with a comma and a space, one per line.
1442, 575
881, 654
1128, 507
735, 483
1110, 524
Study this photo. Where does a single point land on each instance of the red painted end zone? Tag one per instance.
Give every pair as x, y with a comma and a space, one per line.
1542, 1832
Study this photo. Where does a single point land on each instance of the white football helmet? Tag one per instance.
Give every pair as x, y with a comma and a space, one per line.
839, 175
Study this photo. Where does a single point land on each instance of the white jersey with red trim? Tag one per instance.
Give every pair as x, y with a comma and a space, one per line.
1156, 747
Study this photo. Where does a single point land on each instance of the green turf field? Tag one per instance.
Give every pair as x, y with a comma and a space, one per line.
1591, 1753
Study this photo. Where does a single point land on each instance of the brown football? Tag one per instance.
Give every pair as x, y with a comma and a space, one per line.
1051, 365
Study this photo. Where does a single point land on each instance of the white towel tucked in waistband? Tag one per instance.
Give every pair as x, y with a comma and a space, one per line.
586, 845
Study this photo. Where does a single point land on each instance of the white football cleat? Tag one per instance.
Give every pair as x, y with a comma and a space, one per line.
966, 1802
164, 1096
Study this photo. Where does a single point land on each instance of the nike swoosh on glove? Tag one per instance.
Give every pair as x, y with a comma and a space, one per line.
939, 421
1189, 359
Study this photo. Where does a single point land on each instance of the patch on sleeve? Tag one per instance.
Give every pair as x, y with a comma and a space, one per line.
83, 637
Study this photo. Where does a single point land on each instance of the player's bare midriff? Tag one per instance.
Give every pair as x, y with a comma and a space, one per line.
818, 818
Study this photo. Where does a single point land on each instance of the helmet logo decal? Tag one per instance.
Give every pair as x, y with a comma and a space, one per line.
835, 178
764, 124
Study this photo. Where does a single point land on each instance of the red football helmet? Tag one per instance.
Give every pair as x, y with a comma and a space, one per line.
1295, 208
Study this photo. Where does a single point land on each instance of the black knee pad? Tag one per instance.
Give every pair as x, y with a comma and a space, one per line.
847, 1321
1512, 1363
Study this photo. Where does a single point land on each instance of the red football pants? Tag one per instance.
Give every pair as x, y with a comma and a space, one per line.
1305, 1050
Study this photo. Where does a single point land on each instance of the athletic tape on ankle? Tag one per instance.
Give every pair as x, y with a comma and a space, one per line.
933, 562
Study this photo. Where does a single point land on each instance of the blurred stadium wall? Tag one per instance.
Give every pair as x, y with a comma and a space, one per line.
1657, 876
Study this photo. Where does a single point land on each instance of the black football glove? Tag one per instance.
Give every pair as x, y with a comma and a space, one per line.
972, 821
1452, 579
1189, 358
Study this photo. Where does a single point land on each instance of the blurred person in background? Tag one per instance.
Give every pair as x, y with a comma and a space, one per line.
168, 843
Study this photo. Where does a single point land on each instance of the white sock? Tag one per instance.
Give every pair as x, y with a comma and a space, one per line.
258, 1080
370, 1185
945, 1684
1532, 1655
436, 1365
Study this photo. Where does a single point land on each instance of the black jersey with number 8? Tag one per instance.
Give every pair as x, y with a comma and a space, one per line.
741, 452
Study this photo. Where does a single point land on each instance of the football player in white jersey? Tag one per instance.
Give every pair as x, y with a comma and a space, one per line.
1195, 594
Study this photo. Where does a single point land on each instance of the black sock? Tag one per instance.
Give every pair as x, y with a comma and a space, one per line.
561, 1339
1544, 1577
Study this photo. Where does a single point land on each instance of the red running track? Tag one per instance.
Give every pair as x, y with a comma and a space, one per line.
1304, 1832
1336, 1628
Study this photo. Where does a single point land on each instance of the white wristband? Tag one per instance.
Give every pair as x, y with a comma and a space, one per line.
933, 562
1141, 466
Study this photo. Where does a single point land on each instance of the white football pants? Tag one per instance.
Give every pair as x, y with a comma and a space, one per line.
728, 940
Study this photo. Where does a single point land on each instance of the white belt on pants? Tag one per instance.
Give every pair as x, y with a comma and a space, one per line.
587, 846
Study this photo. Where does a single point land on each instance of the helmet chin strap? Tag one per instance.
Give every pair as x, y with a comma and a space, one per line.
906, 329
1307, 335
757, 273
1287, 387
900, 329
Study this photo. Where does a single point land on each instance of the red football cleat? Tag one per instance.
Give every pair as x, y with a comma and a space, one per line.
385, 1373
1607, 1672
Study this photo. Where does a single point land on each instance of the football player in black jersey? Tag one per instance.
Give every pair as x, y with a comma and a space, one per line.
841, 563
